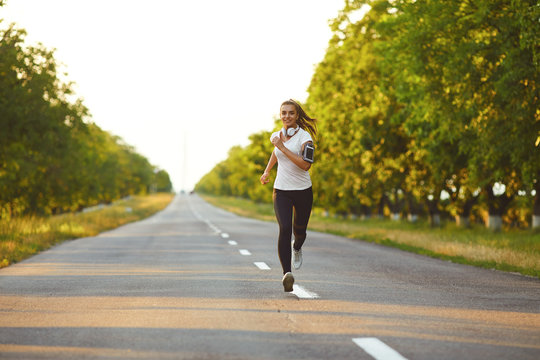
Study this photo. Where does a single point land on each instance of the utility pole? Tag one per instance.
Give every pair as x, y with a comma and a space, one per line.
184, 162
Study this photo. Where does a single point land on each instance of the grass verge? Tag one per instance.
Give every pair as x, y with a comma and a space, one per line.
23, 237
513, 251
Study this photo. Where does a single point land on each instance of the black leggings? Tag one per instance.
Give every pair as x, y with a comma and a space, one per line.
285, 201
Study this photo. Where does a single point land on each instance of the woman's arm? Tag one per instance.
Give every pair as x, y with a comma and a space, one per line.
271, 162
296, 159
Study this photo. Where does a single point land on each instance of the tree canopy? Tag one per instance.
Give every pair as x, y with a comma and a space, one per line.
427, 107
52, 158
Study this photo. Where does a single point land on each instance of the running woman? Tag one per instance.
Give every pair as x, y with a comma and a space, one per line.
293, 195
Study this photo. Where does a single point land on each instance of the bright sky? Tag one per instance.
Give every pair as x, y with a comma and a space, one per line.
183, 81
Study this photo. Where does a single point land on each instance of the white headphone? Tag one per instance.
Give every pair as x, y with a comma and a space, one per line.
290, 131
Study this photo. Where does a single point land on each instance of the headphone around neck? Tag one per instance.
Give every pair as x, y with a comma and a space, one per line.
290, 131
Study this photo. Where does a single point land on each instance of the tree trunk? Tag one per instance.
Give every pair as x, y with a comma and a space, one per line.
536, 206
380, 207
462, 221
494, 222
497, 206
465, 212
396, 205
365, 212
536, 221
412, 215
434, 213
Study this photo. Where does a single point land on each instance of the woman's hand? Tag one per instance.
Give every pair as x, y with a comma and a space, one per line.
264, 178
278, 141
271, 162
295, 158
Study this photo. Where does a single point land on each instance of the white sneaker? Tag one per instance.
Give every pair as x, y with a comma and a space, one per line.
297, 258
288, 281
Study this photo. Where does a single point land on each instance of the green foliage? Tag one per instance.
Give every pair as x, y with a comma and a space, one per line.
239, 174
51, 159
425, 107
471, 92
163, 182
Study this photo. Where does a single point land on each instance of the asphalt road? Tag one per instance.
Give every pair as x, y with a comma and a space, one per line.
195, 282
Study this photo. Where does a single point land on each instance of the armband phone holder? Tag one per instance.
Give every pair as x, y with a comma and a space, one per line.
309, 152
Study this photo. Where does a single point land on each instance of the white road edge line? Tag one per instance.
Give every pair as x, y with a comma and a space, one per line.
262, 265
232, 242
302, 293
244, 252
378, 349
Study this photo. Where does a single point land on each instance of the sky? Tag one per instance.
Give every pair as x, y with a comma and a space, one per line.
182, 81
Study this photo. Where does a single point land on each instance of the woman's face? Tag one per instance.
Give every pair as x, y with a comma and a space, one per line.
288, 116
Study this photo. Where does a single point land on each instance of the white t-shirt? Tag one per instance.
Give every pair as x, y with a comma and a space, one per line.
289, 175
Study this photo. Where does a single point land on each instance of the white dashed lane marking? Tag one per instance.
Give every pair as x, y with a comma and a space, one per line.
262, 265
232, 242
225, 235
378, 349
301, 293
244, 252
206, 221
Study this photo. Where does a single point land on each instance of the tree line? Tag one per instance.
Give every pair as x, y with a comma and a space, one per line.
425, 108
52, 158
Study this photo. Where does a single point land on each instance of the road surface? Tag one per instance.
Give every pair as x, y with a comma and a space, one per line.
196, 282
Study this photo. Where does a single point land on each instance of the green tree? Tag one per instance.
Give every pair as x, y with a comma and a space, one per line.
37, 121
51, 159
422, 98
239, 174
363, 145
473, 88
162, 181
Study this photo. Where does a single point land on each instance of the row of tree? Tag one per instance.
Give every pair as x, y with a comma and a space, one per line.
424, 107
52, 159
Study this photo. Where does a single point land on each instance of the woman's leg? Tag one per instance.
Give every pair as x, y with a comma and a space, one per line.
303, 202
283, 207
